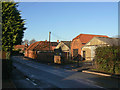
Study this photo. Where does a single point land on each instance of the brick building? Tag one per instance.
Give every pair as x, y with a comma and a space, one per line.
40, 50
62, 51
80, 41
2, 54
88, 50
22, 48
17, 47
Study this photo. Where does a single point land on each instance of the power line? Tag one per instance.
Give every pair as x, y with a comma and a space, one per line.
57, 36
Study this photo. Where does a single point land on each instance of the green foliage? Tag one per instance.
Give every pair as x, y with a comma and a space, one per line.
12, 26
0, 26
107, 59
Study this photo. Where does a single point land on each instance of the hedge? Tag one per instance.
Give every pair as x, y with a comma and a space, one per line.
107, 59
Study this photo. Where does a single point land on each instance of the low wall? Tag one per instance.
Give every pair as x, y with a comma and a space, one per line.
57, 59
30, 54
2, 55
45, 56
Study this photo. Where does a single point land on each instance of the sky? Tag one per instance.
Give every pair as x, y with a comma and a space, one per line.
66, 20
66, 0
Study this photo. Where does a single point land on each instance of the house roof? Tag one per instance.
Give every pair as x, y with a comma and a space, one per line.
64, 46
42, 45
84, 38
19, 46
54, 43
32, 46
67, 43
105, 40
110, 41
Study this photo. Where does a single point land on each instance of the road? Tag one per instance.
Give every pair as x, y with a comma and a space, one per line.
36, 75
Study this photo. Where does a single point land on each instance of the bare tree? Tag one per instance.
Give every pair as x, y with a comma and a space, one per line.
32, 41
25, 42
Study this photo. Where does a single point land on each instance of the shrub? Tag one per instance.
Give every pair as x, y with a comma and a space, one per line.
107, 59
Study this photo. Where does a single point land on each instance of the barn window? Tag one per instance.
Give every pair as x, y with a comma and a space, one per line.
75, 52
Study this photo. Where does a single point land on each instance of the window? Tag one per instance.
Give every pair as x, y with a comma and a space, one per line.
75, 52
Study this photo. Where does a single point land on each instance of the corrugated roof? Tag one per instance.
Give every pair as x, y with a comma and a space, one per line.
68, 43
42, 46
32, 46
109, 41
64, 46
19, 46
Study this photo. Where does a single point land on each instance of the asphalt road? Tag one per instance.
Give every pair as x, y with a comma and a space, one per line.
32, 74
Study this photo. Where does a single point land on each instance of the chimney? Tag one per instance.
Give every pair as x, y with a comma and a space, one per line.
26, 45
57, 41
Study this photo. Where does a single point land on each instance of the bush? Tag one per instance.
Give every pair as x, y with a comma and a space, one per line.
107, 59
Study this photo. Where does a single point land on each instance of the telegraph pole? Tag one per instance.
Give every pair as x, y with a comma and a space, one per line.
49, 39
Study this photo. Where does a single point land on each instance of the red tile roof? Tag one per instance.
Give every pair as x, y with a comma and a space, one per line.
32, 46
19, 46
42, 46
84, 38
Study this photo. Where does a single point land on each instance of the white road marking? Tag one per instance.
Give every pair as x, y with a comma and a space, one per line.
31, 81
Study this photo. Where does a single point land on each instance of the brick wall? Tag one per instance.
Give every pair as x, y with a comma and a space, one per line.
57, 59
45, 56
26, 53
30, 54
76, 44
2, 55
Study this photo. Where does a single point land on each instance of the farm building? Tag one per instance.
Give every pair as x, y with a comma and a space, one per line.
63, 49
41, 50
80, 41
88, 50
22, 48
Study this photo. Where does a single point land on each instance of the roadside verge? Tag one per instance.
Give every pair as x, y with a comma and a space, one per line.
101, 73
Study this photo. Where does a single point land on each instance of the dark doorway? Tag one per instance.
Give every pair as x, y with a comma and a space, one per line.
83, 55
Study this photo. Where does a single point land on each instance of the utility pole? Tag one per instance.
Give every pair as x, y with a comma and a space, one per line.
49, 39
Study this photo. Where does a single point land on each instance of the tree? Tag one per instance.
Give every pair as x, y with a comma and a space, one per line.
32, 41
0, 26
12, 26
